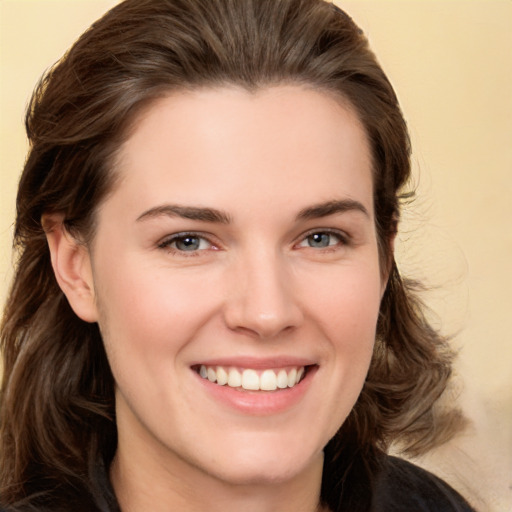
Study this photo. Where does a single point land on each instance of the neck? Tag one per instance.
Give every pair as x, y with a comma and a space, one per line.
140, 486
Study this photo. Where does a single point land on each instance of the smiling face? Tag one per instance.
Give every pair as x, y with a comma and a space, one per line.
237, 283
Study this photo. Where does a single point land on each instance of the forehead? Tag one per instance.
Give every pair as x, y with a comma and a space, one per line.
287, 139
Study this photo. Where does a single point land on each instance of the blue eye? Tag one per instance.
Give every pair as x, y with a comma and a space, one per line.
321, 240
186, 243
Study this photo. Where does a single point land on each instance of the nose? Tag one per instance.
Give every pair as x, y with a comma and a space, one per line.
261, 300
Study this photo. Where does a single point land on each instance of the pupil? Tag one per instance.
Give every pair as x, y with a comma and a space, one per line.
319, 240
188, 243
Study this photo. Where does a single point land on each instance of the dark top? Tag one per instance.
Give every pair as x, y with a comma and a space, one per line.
399, 487
404, 487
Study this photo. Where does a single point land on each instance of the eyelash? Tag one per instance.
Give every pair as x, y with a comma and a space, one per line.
343, 238
166, 244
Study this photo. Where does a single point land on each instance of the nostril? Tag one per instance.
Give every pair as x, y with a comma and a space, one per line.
264, 325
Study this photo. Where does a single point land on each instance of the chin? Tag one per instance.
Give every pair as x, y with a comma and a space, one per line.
265, 474
271, 468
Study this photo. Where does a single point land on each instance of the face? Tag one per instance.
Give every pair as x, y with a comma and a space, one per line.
236, 279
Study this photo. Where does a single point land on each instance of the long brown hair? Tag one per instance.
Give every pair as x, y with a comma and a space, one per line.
57, 399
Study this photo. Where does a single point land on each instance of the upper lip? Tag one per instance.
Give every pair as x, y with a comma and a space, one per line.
256, 363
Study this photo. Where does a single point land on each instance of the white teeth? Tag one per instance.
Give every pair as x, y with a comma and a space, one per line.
222, 376
251, 380
268, 380
234, 379
282, 379
211, 374
292, 376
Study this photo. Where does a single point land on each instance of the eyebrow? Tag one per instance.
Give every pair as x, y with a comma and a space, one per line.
330, 208
187, 212
217, 216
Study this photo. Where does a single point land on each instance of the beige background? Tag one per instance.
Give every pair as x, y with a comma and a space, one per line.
451, 63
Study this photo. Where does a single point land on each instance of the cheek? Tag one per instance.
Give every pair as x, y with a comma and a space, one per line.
348, 302
345, 308
145, 316
347, 313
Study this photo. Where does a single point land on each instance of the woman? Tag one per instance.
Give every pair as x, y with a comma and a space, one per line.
206, 310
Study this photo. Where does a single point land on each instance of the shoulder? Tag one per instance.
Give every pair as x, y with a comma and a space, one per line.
404, 487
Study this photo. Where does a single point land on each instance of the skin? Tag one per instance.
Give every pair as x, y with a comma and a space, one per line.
273, 277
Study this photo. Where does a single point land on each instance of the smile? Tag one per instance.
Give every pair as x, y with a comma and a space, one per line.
253, 380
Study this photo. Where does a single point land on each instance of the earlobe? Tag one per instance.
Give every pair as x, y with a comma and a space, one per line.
72, 267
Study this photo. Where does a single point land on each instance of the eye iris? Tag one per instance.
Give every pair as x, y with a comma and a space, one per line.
188, 243
319, 240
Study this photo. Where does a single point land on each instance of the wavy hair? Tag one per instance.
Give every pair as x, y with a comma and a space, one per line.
57, 423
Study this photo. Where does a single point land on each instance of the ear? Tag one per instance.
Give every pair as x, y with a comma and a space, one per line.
71, 264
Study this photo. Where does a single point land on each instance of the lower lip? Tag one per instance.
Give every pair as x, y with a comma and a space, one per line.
259, 403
